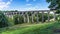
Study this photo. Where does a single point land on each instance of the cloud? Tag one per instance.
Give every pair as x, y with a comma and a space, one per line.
29, 8
28, 4
29, 0
38, 6
4, 5
0, 0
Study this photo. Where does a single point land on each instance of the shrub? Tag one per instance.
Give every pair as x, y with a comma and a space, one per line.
18, 19
58, 18
11, 21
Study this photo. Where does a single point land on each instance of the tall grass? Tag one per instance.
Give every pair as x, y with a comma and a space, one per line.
46, 28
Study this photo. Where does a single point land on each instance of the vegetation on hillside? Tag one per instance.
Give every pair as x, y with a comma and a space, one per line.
3, 20
46, 28
18, 19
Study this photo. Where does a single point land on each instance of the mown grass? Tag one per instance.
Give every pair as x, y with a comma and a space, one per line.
45, 28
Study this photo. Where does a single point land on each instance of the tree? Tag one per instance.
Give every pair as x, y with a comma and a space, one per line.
58, 11
54, 4
3, 20
18, 19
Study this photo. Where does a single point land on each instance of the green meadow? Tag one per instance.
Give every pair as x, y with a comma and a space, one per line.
41, 28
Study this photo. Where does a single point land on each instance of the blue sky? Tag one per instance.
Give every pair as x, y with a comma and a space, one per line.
23, 5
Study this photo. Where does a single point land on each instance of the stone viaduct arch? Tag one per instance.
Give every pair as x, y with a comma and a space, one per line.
11, 13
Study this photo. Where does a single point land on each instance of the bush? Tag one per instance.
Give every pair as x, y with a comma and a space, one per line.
45, 17
11, 21
18, 19
58, 18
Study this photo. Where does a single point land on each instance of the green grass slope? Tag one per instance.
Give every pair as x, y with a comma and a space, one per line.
45, 28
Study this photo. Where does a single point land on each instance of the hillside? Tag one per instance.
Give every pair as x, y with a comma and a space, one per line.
45, 28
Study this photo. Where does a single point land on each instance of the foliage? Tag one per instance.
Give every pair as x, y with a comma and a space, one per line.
3, 20
58, 11
45, 17
54, 4
46, 28
18, 19
58, 18
11, 21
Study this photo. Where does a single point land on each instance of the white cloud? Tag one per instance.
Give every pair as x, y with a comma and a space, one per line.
38, 6
4, 5
29, 0
29, 8
0, 0
28, 4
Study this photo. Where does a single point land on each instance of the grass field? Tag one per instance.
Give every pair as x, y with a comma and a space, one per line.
41, 28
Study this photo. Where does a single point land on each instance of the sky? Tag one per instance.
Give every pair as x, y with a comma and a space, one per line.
23, 5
